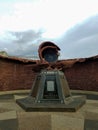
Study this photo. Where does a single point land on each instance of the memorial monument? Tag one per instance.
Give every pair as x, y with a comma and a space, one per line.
50, 90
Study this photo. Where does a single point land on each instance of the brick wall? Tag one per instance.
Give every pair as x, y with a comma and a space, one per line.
83, 76
19, 75
14, 75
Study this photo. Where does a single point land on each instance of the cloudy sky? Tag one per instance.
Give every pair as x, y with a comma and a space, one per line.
71, 24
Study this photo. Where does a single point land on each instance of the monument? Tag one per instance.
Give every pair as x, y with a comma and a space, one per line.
50, 90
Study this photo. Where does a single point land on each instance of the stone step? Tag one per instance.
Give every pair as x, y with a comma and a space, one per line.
8, 121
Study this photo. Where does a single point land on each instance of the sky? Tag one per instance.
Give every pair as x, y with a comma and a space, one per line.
71, 24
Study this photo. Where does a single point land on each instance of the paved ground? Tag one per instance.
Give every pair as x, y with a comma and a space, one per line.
13, 117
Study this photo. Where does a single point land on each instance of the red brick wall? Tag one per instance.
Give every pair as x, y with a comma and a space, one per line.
16, 75
83, 76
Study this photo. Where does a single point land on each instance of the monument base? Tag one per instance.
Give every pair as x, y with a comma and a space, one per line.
50, 92
28, 104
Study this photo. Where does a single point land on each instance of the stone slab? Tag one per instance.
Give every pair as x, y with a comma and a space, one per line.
91, 114
2, 110
28, 104
91, 124
19, 97
8, 121
34, 121
61, 122
9, 106
8, 115
10, 124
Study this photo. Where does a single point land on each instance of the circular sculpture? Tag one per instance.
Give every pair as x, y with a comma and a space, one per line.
48, 51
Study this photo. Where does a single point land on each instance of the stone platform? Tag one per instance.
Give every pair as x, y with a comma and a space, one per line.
13, 117
75, 103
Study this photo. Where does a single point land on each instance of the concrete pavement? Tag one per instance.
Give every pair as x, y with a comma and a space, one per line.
13, 117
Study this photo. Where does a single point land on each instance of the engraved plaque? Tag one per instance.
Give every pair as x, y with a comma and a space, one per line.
50, 86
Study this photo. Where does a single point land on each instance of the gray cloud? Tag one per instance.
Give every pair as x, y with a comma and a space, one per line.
81, 40
86, 28
23, 43
26, 36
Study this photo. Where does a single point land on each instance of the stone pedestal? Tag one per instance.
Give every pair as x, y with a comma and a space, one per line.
50, 92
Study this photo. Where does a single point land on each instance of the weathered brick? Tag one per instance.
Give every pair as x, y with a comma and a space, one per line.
83, 76
19, 75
